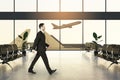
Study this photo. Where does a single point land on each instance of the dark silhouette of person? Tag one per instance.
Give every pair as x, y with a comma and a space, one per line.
40, 46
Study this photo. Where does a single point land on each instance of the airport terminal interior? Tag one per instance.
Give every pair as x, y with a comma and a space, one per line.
83, 36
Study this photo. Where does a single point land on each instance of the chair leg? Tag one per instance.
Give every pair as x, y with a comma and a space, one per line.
110, 65
9, 65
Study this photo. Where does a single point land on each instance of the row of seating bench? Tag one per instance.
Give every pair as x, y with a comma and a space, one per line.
9, 52
110, 52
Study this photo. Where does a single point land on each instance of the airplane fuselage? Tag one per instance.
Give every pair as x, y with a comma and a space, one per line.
69, 25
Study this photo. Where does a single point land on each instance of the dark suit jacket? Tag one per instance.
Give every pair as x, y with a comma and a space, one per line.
39, 42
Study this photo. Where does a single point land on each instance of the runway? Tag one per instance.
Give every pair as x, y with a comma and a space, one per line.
70, 65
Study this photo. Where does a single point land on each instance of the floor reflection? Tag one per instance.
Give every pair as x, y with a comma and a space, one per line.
72, 65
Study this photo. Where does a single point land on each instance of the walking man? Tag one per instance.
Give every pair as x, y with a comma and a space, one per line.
40, 46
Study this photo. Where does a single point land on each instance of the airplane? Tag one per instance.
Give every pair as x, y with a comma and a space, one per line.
69, 25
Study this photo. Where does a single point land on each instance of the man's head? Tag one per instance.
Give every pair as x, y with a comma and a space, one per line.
41, 26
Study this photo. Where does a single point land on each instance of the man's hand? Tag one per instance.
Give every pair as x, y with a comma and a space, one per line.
47, 46
33, 51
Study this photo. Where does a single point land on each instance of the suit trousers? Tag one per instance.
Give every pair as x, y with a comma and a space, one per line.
44, 58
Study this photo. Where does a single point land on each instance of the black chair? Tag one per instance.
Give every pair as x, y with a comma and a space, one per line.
15, 50
0, 52
104, 51
115, 54
17, 54
110, 53
5, 54
9, 52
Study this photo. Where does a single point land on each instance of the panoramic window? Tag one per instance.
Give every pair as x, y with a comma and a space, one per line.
113, 31
25, 5
94, 5
71, 5
60, 31
23, 25
97, 26
6, 31
71, 34
48, 5
6, 5
25, 30
113, 5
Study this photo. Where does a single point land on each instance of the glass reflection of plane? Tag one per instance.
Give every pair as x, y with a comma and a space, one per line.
69, 25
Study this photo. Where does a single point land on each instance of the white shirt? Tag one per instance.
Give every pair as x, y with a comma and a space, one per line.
42, 31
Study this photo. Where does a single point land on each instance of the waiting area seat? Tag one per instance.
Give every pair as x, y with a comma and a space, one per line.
110, 52
9, 52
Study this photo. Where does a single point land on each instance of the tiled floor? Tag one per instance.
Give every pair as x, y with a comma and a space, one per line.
70, 65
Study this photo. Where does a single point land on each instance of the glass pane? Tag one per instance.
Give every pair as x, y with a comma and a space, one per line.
6, 5
113, 32
21, 26
6, 31
113, 5
48, 5
94, 5
97, 26
71, 5
52, 35
71, 34
25, 5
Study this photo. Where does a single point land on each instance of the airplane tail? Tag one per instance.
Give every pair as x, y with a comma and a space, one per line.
55, 26
21, 39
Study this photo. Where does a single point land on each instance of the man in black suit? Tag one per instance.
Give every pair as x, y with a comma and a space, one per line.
40, 46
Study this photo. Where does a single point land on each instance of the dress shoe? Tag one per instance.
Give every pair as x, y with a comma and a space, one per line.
52, 71
31, 71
